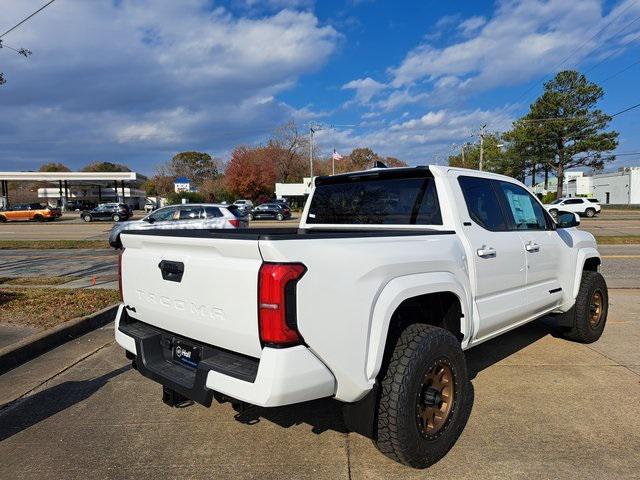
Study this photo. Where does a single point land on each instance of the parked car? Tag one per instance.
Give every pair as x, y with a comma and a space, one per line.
245, 206
273, 211
149, 206
29, 211
372, 300
582, 206
116, 212
191, 216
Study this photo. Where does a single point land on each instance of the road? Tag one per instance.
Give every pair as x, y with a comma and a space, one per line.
544, 408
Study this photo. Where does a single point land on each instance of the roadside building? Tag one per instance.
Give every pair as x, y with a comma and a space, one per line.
613, 188
73, 187
183, 184
294, 193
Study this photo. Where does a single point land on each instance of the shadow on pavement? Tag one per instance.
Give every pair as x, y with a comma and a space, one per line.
42, 405
326, 414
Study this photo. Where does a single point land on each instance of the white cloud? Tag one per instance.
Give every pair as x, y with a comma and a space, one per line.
121, 73
471, 25
419, 139
365, 88
523, 39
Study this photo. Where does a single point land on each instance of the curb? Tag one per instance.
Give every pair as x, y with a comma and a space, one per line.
35, 345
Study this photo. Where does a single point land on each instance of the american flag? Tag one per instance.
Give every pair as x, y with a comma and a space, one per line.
336, 155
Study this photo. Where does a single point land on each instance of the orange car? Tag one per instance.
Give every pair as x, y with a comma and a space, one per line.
29, 211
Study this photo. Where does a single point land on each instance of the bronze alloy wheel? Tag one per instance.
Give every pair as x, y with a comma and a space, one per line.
595, 309
435, 399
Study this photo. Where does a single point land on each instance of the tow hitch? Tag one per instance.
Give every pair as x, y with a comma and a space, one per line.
174, 399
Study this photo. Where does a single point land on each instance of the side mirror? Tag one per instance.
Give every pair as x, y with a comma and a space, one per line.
149, 219
567, 219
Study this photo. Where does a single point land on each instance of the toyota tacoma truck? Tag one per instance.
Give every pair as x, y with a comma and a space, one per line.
372, 300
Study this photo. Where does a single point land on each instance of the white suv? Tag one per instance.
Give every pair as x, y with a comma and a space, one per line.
582, 206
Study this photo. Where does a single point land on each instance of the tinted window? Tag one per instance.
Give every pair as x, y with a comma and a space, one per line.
401, 198
574, 201
482, 203
525, 212
213, 212
235, 211
163, 215
593, 200
190, 213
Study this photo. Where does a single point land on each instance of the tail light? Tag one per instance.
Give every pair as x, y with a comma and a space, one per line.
277, 302
120, 273
235, 222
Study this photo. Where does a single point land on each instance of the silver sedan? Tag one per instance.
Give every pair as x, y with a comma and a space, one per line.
190, 216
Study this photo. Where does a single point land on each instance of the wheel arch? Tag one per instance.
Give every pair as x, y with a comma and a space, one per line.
437, 298
588, 259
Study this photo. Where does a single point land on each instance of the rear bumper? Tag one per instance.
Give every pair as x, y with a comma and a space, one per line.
281, 376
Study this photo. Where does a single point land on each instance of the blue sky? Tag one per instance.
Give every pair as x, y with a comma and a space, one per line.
135, 81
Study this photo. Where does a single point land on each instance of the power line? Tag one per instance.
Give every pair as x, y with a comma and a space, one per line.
27, 18
626, 110
619, 72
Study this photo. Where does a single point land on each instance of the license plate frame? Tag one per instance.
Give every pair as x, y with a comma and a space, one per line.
186, 353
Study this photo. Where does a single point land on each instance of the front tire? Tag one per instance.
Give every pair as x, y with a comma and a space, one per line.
425, 398
279, 217
115, 218
589, 314
250, 216
87, 218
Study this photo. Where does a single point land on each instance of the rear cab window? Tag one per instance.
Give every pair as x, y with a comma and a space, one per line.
387, 197
483, 203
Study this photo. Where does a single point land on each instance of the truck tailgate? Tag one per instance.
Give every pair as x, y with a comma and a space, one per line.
201, 288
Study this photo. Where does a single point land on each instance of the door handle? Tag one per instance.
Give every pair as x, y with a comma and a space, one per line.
532, 247
486, 252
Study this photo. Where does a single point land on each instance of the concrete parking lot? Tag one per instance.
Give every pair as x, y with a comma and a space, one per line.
544, 408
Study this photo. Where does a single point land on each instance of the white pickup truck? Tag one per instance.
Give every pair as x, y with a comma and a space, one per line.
391, 274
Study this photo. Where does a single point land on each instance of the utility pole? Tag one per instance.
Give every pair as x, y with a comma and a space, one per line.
481, 145
311, 132
462, 153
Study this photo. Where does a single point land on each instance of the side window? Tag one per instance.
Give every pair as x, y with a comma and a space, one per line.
190, 213
574, 201
482, 203
526, 213
163, 215
212, 212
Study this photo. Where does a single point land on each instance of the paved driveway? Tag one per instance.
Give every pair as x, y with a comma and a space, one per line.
544, 408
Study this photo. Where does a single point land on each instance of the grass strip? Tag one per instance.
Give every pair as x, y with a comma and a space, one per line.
51, 244
37, 280
617, 239
44, 308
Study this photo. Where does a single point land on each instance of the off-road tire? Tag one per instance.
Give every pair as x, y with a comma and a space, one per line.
417, 349
580, 314
590, 212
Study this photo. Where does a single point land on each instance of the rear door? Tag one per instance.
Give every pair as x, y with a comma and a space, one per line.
497, 255
210, 297
541, 245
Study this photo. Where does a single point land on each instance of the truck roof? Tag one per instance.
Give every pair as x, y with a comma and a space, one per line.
436, 171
